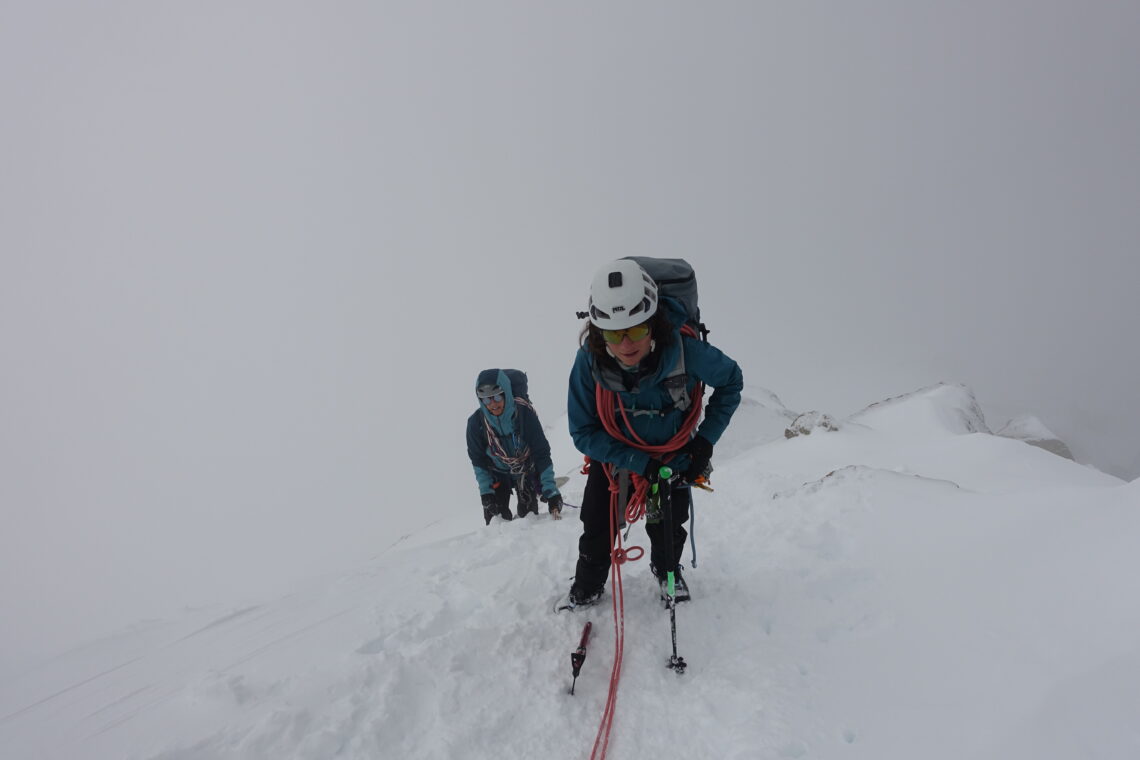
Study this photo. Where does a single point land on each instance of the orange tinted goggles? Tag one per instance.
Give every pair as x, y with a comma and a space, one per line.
635, 333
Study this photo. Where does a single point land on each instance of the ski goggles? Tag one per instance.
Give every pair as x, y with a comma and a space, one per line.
635, 333
496, 399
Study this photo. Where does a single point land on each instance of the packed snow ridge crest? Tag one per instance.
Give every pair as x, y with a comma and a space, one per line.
944, 407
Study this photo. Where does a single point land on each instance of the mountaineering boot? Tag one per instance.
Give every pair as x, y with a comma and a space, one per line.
505, 512
580, 597
528, 502
680, 588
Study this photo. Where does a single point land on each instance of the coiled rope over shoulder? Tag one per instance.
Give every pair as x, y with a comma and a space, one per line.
517, 464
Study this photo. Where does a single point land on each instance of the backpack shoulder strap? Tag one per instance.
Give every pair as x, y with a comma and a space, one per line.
676, 383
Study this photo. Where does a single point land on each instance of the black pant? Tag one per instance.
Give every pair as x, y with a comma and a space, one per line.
524, 488
594, 545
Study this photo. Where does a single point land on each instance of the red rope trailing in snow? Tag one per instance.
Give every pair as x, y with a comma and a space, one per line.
619, 556
635, 510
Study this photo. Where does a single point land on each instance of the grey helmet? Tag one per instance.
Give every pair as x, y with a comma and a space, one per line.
488, 390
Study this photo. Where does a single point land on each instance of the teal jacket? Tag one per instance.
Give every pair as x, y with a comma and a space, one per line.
644, 394
516, 430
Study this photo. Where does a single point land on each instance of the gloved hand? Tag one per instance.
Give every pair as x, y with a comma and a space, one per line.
700, 452
653, 470
488, 500
554, 504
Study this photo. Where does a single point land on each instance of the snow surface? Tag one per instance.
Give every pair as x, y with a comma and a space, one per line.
906, 587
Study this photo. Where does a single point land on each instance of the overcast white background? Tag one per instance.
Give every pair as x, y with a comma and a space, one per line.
253, 255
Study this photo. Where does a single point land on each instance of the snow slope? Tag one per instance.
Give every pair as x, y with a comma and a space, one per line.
906, 587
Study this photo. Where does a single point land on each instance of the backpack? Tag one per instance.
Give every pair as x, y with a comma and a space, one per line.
676, 279
518, 383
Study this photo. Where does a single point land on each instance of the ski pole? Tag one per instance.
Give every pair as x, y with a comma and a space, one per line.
578, 656
676, 663
693, 528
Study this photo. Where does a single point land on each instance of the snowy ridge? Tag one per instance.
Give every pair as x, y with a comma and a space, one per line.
761, 418
1026, 427
945, 406
1033, 431
864, 593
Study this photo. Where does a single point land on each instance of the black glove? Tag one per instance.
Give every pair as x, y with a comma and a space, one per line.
489, 506
554, 503
653, 470
700, 452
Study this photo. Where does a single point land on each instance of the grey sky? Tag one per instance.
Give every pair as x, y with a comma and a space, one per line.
252, 256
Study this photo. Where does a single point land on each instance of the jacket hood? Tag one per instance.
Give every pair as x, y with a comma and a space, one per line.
504, 423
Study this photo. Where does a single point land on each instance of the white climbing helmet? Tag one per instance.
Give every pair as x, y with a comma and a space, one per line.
622, 295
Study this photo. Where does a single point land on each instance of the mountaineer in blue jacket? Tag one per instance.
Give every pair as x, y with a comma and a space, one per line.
508, 449
633, 349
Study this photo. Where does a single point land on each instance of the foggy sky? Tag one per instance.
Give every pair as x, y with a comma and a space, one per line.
252, 257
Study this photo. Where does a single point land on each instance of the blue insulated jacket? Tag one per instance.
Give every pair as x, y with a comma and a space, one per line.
517, 428
648, 404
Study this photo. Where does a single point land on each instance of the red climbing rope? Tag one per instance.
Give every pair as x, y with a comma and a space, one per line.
635, 509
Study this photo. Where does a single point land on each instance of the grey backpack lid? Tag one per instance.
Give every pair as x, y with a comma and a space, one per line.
675, 279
